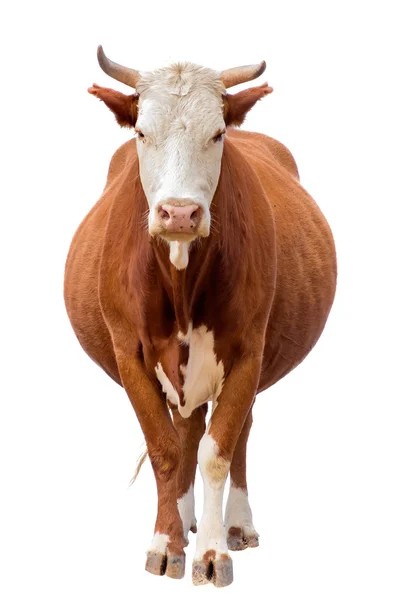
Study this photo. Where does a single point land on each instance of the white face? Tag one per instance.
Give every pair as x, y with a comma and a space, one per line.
180, 130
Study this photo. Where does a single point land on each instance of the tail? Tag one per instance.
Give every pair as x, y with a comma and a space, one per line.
139, 463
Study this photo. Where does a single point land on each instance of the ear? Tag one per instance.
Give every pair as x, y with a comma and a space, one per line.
124, 107
236, 106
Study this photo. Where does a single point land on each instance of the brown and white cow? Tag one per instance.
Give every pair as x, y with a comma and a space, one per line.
205, 273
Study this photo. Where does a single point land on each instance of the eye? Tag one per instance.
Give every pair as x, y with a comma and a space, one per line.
219, 135
139, 134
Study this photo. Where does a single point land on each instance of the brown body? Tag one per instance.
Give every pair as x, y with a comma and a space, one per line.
263, 282
299, 282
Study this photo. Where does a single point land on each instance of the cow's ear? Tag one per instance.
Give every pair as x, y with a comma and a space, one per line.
124, 107
236, 106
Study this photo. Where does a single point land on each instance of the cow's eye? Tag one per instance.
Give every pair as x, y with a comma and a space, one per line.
218, 137
140, 134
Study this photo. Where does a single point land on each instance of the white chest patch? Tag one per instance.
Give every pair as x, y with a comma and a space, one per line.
166, 385
203, 375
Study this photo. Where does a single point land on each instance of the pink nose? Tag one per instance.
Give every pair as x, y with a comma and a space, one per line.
180, 219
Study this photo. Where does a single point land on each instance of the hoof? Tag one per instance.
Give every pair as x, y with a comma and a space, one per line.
171, 565
218, 571
238, 540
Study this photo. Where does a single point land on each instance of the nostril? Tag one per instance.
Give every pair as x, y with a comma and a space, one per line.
195, 213
164, 214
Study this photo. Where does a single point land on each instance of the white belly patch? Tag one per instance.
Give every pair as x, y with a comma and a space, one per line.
203, 376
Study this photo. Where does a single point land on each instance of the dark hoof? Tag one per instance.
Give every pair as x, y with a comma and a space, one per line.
237, 540
171, 565
211, 570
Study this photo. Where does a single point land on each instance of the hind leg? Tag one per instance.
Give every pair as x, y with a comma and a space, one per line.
190, 431
239, 527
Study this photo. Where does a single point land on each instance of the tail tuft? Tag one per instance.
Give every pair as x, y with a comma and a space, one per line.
142, 457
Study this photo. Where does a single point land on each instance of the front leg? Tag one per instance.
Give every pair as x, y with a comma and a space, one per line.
165, 555
212, 561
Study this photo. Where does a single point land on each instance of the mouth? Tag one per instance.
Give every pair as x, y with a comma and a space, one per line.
158, 229
178, 237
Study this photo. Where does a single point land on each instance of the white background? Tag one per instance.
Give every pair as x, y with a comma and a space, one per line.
324, 452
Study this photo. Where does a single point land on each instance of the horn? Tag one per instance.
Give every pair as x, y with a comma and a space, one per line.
231, 77
123, 74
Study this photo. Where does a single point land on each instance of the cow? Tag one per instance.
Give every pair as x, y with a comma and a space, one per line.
204, 274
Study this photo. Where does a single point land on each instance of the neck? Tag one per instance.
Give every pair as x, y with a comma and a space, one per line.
187, 287
161, 298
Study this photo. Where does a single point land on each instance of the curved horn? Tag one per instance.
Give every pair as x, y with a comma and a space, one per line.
123, 74
231, 77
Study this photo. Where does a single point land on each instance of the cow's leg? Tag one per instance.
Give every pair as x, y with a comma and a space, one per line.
190, 432
212, 561
239, 526
165, 555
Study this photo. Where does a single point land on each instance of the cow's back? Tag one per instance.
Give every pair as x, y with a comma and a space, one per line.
306, 258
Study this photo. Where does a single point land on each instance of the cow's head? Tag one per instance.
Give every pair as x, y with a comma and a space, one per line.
180, 115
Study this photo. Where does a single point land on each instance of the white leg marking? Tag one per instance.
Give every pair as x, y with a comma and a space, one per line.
179, 254
211, 532
238, 512
186, 511
167, 386
159, 543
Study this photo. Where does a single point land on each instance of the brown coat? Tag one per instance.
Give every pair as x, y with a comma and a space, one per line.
270, 251
263, 282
